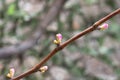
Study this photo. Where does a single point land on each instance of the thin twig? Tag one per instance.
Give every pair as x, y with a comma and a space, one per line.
86, 31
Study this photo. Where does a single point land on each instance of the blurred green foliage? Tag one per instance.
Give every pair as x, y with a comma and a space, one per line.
11, 10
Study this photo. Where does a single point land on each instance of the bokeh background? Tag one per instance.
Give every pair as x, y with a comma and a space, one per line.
94, 56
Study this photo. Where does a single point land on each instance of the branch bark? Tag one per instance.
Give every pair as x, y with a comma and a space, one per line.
9, 51
54, 51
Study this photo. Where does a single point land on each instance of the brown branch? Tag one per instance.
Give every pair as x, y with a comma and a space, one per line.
9, 51
86, 31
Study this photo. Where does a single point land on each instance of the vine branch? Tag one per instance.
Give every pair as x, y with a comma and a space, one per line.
54, 51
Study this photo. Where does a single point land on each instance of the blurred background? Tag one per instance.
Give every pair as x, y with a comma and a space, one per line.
94, 56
